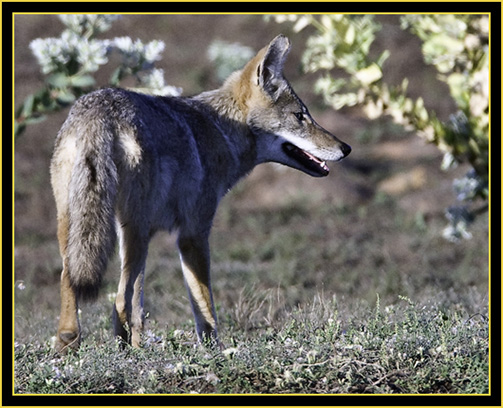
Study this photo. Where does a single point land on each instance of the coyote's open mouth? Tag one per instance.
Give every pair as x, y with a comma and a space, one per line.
306, 159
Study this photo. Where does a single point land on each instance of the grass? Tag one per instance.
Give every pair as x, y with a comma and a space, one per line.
304, 308
404, 348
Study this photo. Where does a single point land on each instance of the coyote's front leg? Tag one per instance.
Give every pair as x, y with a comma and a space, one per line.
194, 254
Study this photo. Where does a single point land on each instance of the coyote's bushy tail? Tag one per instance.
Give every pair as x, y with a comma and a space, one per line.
91, 202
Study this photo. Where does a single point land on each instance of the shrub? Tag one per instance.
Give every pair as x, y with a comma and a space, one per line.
457, 45
70, 61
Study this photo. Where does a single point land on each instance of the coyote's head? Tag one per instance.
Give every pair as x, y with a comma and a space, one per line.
285, 131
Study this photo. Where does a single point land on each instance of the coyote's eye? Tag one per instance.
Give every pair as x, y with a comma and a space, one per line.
300, 116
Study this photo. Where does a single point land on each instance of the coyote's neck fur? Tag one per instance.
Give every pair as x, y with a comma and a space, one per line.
230, 106
229, 101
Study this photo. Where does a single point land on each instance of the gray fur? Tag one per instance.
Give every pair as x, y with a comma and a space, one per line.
130, 164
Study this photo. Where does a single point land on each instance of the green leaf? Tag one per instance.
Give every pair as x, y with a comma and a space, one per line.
116, 76
18, 128
46, 101
82, 81
350, 35
383, 57
65, 97
369, 75
458, 84
28, 106
59, 80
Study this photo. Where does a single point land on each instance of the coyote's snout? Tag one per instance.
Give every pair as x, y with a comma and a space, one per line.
127, 165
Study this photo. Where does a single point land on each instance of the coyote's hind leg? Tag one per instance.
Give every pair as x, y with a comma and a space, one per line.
128, 308
68, 335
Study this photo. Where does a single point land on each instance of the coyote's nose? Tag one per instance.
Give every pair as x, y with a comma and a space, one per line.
346, 149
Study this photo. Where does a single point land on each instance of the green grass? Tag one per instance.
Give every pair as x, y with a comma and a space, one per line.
304, 307
404, 348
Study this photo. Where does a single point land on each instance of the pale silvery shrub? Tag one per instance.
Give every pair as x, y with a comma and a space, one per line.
228, 57
456, 45
87, 24
69, 62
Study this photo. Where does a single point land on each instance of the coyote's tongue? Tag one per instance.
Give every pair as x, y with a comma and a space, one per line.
321, 163
306, 159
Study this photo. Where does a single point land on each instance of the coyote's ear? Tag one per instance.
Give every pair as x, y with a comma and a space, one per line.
270, 69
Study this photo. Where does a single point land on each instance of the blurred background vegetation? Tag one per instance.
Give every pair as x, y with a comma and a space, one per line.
374, 227
457, 45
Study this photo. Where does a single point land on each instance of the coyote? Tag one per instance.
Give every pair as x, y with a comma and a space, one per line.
127, 164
